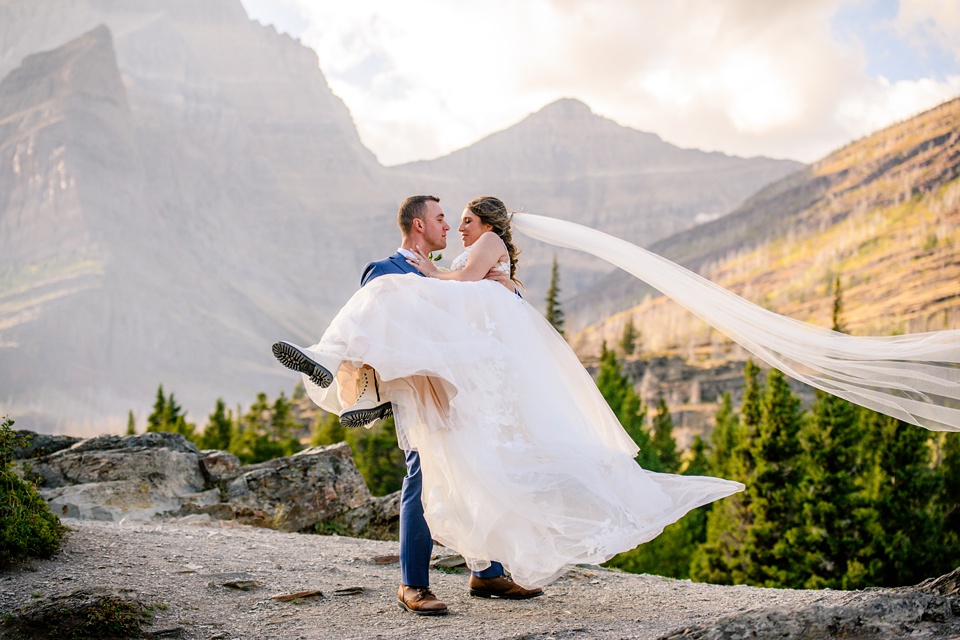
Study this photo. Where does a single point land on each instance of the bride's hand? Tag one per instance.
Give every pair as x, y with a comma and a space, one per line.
423, 263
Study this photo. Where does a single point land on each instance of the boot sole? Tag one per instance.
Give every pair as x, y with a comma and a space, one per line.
293, 358
363, 417
439, 612
476, 593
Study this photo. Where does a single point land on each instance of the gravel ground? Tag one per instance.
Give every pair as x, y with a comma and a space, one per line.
182, 567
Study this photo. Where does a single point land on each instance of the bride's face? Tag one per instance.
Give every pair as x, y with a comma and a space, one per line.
471, 228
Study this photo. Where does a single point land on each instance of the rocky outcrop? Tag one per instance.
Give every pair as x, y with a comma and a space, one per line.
143, 476
42, 444
929, 610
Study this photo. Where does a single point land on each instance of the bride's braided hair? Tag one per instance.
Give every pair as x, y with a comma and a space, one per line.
492, 211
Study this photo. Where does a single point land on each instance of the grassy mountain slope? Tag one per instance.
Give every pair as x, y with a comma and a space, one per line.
882, 213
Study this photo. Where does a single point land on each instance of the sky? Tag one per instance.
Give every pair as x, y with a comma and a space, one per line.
780, 78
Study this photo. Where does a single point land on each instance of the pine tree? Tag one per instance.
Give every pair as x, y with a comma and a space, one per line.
772, 487
554, 312
283, 426
838, 307
616, 389
699, 462
610, 379
719, 558
663, 442
168, 415
949, 472
726, 438
830, 487
253, 440
833, 475
157, 417
219, 427
628, 340
906, 523
131, 424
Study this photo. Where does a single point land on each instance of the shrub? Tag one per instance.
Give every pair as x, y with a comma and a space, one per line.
28, 529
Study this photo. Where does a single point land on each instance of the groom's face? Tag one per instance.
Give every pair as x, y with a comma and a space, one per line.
435, 227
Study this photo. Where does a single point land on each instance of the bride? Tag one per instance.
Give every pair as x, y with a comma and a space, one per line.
522, 459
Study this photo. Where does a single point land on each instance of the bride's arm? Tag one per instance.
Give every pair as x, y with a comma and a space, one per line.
485, 255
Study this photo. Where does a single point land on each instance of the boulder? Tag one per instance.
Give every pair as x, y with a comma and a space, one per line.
42, 444
299, 491
219, 467
114, 477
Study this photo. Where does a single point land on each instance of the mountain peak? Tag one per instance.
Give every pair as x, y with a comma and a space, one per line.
566, 109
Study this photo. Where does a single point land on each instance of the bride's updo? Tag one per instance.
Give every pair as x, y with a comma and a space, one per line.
492, 211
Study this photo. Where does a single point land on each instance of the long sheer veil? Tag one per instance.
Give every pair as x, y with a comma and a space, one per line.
914, 377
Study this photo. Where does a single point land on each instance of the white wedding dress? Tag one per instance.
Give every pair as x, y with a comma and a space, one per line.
522, 459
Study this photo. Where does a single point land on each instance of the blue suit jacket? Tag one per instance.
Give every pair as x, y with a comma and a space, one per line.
395, 264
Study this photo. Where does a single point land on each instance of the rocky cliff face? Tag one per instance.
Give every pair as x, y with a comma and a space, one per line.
155, 224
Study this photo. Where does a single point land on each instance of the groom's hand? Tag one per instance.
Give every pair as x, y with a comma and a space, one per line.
497, 275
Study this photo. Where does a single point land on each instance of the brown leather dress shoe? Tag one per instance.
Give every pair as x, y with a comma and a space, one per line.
500, 587
421, 601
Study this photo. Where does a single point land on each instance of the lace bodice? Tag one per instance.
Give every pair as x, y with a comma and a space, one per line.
461, 261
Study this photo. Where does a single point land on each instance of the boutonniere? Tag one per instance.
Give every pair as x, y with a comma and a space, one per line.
435, 258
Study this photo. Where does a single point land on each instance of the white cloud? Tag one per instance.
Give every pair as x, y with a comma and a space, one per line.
880, 102
936, 21
748, 77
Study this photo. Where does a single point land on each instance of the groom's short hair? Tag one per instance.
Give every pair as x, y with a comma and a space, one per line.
412, 207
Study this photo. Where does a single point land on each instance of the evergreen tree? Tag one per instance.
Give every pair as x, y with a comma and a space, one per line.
906, 523
831, 490
157, 417
838, 307
611, 382
833, 530
772, 487
628, 340
219, 427
616, 389
727, 438
751, 410
719, 558
554, 312
131, 424
663, 442
283, 426
168, 415
699, 462
263, 432
949, 499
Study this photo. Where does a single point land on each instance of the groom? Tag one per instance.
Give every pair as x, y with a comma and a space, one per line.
422, 224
